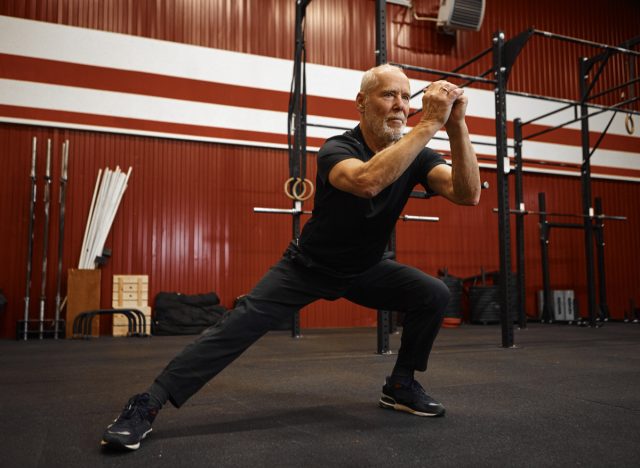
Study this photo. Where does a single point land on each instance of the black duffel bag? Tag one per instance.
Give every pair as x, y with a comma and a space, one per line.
183, 314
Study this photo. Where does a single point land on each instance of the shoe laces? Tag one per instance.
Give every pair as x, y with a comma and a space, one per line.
416, 387
137, 408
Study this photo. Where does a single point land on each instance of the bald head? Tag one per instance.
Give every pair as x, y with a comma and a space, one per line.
370, 78
383, 103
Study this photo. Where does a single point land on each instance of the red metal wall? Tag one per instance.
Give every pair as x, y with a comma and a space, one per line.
342, 32
186, 219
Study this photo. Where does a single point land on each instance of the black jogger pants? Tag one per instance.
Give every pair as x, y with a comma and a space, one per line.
293, 283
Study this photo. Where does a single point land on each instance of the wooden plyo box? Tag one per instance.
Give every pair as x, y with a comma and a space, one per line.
121, 323
83, 294
130, 291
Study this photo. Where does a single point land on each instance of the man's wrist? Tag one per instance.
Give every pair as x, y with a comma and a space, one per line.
456, 129
429, 127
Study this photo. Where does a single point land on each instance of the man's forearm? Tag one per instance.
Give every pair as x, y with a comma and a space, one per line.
389, 164
465, 173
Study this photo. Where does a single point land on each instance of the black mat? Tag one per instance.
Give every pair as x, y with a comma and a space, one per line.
567, 396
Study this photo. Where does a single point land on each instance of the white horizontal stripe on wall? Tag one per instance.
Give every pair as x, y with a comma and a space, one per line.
118, 51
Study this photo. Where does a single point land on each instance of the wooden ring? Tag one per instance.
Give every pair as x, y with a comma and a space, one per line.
629, 124
287, 183
292, 191
308, 185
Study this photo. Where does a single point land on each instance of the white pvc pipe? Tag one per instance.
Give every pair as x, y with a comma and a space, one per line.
86, 229
97, 215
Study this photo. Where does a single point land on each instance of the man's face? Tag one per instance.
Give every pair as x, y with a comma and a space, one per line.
386, 105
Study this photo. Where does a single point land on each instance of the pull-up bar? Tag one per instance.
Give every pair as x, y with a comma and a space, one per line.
613, 88
576, 40
465, 64
473, 59
333, 127
578, 119
567, 101
548, 114
434, 71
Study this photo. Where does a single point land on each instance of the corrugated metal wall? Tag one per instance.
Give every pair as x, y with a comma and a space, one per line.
342, 32
187, 218
187, 221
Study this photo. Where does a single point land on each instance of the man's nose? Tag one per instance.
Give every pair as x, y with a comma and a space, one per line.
399, 103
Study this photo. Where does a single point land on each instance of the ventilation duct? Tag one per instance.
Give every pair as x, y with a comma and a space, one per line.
461, 14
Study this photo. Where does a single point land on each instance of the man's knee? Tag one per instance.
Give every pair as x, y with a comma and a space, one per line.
435, 296
261, 313
442, 295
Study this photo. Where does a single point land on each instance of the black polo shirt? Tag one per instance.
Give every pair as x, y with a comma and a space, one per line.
348, 233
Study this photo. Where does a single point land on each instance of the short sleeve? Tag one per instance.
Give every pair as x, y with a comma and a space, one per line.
335, 149
427, 160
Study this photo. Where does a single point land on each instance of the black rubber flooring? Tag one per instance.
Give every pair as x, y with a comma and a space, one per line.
567, 396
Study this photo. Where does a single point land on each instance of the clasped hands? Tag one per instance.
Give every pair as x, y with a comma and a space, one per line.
444, 103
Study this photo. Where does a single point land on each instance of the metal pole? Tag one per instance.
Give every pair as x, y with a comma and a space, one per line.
602, 282
32, 219
62, 200
560, 109
299, 137
587, 209
520, 278
383, 316
576, 40
569, 101
445, 74
547, 305
504, 229
615, 107
428, 219
297, 105
628, 84
45, 241
381, 32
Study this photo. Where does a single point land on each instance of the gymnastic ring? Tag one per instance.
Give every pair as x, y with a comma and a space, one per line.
292, 192
308, 185
294, 189
629, 124
287, 183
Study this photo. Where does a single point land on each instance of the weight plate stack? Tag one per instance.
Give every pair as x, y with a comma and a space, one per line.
454, 308
484, 302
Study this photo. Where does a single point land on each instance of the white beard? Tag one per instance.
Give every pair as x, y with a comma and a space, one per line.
382, 128
394, 134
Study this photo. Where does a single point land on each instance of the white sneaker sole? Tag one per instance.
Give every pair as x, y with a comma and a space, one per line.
389, 403
135, 446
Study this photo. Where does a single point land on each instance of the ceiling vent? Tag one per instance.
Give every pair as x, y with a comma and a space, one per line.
461, 14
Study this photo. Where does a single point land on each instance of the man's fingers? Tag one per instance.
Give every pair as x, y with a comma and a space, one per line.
444, 89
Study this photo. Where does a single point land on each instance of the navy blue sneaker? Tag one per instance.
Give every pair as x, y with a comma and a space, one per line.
409, 398
133, 424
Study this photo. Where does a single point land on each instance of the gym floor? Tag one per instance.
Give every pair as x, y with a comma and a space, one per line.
567, 396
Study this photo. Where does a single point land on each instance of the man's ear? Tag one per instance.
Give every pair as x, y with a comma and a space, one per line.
360, 100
